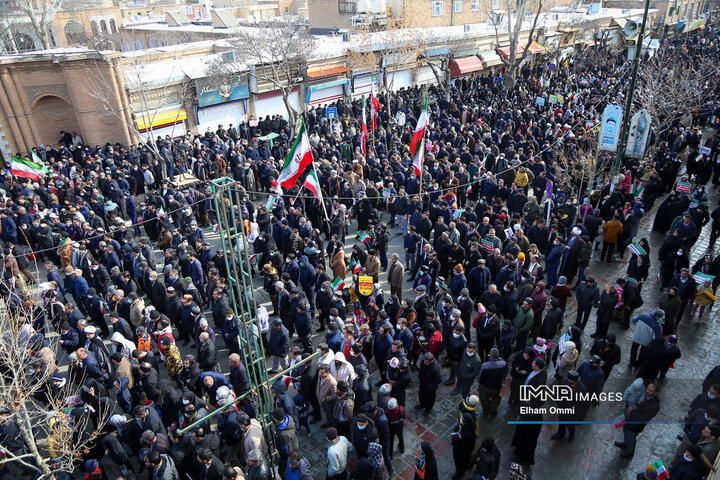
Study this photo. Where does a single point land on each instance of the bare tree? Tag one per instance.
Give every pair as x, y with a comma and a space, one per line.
276, 54
396, 45
41, 14
147, 85
455, 46
513, 62
672, 85
55, 428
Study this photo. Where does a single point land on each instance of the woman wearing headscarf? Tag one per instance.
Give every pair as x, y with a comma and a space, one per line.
375, 455
463, 443
361, 387
566, 360
521, 368
425, 463
115, 453
364, 470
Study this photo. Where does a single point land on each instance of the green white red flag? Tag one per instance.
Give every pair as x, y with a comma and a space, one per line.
312, 183
298, 159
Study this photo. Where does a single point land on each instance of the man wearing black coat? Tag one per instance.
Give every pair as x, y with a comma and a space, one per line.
429, 379
608, 351
238, 375
587, 296
208, 466
637, 419
552, 320
578, 407
363, 434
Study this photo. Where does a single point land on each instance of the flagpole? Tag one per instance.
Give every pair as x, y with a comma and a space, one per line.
320, 194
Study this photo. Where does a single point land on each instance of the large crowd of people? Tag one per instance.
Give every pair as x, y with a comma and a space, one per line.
491, 255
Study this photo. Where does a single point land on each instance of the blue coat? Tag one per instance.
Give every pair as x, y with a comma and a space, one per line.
555, 255
307, 274
383, 350
303, 324
423, 280
80, 288
293, 270
335, 341
406, 337
196, 273
279, 342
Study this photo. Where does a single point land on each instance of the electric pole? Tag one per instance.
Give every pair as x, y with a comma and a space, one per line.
627, 114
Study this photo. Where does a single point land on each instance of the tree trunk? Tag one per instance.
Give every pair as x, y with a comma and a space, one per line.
292, 113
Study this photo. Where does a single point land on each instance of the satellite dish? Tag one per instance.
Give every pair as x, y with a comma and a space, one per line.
631, 28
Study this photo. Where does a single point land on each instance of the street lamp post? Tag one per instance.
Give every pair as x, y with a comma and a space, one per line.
627, 114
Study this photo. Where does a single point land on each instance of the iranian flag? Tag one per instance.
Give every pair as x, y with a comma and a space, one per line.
374, 108
23, 168
419, 158
337, 284
363, 138
699, 157
311, 183
364, 237
161, 213
420, 128
216, 228
297, 160
662, 472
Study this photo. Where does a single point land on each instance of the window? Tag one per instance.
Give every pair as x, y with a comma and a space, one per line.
496, 5
74, 32
458, 6
475, 5
347, 6
437, 9
684, 11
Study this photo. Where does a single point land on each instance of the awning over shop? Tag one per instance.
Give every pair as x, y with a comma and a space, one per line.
533, 48
169, 115
680, 26
320, 86
567, 51
326, 72
463, 66
490, 58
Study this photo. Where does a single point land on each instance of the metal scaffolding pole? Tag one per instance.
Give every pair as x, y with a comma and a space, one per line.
228, 197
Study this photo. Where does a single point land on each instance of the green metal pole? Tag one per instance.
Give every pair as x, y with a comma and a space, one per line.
271, 380
622, 145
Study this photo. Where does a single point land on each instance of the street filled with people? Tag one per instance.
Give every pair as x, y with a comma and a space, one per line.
466, 265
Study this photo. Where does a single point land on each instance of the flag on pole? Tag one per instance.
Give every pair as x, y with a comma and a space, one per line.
699, 158
420, 128
161, 213
216, 228
457, 213
297, 160
487, 245
374, 108
37, 160
363, 138
337, 284
468, 190
419, 158
24, 168
313, 184
253, 258
662, 472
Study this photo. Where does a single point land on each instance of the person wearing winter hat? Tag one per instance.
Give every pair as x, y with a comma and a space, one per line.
649, 474
396, 421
